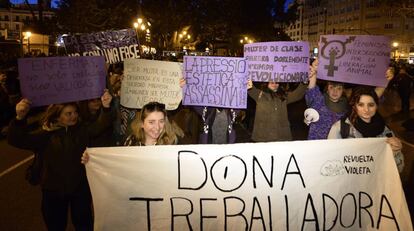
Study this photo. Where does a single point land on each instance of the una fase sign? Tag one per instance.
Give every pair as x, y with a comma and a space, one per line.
348, 184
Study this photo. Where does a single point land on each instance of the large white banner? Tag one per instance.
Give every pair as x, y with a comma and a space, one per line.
350, 184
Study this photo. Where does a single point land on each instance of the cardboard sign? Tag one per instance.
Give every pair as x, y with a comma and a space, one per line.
51, 80
361, 59
350, 184
277, 61
215, 81
115, 46
149, 80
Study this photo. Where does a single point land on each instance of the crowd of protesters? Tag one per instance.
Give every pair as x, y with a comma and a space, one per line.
69, 128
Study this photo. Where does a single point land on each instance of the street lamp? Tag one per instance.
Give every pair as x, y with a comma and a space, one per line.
141, 25
184, 38
27, 34
395, 48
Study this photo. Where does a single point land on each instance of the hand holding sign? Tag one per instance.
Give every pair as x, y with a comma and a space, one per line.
22, 108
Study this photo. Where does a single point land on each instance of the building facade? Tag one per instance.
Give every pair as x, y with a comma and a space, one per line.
364, 17
13, 27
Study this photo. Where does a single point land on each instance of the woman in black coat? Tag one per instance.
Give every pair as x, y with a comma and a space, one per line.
60, 143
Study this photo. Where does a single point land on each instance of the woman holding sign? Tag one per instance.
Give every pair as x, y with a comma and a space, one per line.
271, 121
330, 106
365, 121
61, 142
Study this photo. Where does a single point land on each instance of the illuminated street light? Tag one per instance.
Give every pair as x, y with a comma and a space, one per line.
143, 27
28, 34
139, 20
395, 49
135, 25
241, 41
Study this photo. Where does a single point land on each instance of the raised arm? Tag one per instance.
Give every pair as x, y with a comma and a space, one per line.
389, 74
313, 73
19, 134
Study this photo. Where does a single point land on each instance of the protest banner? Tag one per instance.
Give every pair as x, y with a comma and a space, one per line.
51, 80
215, 81
150, 80
277, 61
359, 59
349, 184
115, 46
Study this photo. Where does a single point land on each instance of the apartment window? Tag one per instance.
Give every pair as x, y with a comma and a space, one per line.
17, 27
371, 3
388, 26
27, 18
6, 18
17, 18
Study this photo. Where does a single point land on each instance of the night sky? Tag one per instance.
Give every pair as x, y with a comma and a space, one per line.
32, 1
54, 2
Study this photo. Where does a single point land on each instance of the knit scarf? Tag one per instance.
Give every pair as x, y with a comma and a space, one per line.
338, 107
372, 129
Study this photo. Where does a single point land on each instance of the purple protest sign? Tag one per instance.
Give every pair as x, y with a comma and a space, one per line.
277, 61
361, 59
215, 81
61, 79
115, 46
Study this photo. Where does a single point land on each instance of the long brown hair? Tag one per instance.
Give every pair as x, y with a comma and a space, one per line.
356, 96
167, 136
53, 112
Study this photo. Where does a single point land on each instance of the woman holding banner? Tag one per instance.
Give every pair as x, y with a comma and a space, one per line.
61, 142
365, 121
150, 127
330, 106
271, 121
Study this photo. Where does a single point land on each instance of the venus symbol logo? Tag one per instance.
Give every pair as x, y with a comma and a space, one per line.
333, 50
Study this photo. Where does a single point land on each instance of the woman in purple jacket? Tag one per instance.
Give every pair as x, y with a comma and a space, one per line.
330, 106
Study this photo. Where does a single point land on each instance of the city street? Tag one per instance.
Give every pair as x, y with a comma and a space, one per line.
20, 202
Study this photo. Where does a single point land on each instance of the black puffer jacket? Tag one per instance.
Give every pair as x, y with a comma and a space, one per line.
61, 149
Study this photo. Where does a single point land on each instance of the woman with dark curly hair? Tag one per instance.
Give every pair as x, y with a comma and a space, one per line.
365, 121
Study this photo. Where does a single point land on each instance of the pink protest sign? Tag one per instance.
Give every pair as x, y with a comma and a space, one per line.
360, 59
61, 79
277, 61
215, 81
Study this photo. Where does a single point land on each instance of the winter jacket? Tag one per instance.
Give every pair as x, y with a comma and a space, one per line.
320, 129
271, 120
61, 149
208, 114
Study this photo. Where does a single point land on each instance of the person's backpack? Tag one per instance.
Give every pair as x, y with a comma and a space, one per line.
345, 127
34, 171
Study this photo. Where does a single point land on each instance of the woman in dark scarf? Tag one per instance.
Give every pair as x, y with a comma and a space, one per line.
330, 106
365, 121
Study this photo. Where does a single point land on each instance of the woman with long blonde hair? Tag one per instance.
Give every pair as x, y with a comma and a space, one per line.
151, 127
